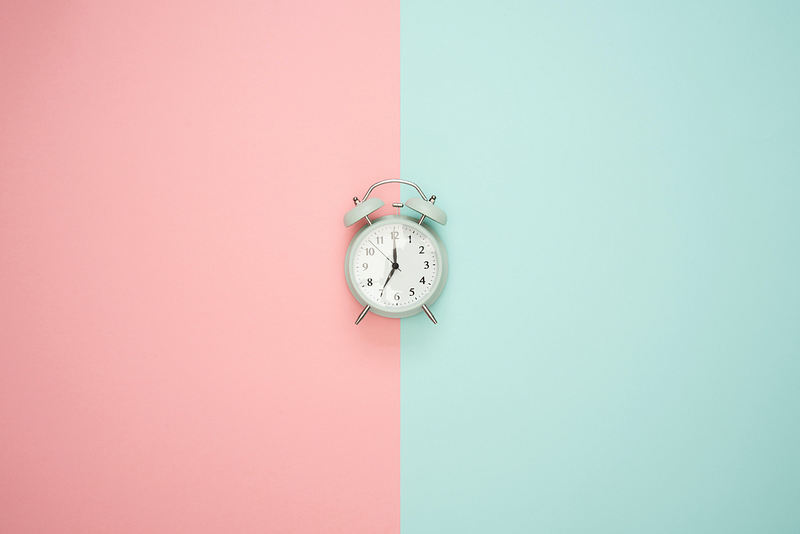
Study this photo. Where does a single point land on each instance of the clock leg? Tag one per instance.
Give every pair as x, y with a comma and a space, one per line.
428, 313
364, 312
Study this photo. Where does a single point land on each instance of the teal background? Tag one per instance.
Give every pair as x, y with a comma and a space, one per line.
618, 346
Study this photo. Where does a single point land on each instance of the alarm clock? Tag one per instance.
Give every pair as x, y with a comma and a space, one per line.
395, 266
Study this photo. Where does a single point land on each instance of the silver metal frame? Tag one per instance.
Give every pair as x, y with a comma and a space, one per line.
394, 181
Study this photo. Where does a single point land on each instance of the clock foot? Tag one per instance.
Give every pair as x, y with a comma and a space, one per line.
364, 312
428, 313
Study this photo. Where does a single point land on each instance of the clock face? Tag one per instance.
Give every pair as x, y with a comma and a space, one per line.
395, 265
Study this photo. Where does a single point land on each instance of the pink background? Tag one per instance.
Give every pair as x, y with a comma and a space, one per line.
177, 348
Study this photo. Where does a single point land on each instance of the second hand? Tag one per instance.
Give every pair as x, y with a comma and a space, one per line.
384, 255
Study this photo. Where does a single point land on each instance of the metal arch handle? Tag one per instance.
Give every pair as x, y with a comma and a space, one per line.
394, 181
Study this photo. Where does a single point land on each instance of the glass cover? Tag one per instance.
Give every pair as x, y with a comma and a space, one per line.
395, 265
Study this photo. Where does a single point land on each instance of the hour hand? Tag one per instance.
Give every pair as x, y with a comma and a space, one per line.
387, 257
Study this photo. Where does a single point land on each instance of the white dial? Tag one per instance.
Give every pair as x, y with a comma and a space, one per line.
395, 265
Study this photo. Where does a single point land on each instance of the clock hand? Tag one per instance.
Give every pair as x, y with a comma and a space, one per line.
389, 278
387, 257
379, 250
394, 252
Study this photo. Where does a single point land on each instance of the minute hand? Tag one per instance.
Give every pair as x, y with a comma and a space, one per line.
389, 277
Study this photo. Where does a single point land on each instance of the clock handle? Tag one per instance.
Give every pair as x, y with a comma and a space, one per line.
394, 181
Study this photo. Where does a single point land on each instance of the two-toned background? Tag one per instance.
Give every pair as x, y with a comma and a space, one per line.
618, 347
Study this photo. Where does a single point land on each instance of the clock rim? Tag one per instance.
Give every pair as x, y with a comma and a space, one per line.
415, 308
